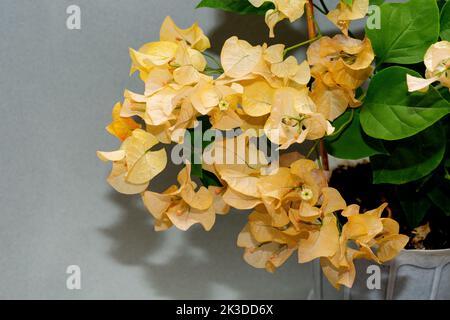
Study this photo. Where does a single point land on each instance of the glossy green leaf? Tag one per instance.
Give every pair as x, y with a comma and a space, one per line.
414, 204
351, 142
197, 151
390, 112
445, 22
209, 179
236, 6
376, 2
410, 159
406, 31
440, 195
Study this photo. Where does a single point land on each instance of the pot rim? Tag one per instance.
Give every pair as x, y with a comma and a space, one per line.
426, 251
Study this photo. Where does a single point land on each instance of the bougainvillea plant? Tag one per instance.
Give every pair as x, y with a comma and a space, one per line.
257, 97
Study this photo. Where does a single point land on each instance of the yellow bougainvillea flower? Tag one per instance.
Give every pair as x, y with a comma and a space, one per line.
345, 13
341, 61
193, 35
332, 102
121, 127
437, 61
266, 246
284, 9
257, 98
323, 242
239, 58
365, 230
312, 179
293, 118
185, 206
226, 116
151, 55
134, 164
289, 69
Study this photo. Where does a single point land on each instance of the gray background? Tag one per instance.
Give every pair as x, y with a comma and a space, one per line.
57, 89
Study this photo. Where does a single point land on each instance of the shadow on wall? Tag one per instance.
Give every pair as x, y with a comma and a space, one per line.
198, 264
253, 29
244, 27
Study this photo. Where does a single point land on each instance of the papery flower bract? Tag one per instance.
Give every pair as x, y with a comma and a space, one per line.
284, 9
437, 62
344, 13
184, 206
121, 127
293, 118
134, 165
365, 231
341, 61
193, 35
239, 58
339, 66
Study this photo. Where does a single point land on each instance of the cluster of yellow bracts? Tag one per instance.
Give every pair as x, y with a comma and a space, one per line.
258, 88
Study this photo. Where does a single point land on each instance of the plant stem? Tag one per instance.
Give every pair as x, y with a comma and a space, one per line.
320, 9
312, 149
344, 126
300, 44
312, 35
324, 6
310, 19
213, 59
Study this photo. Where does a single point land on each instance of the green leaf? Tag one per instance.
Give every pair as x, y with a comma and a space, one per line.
390, 112
348, 2
440, 195
236, 6
196, 153
352, 143
414, 204
445, 22
376, 2
410, 159
209, 179
406, 31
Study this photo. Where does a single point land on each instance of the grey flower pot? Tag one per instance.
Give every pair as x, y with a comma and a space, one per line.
413, 274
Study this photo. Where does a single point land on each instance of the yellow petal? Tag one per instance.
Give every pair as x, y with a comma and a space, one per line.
351, 210
111, 156
136, 146
390, 246
245, 238
183, 217
186, 75
147, 167
157, 79
257, 98
200, 200
321, 243
205, 97
239, 58
121, 127
274, 53
419, 84
240, 201
193, 35
157, 203
160, 106
330, 101
332, 201
307, 212
117, 180
285, 69
220, 206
